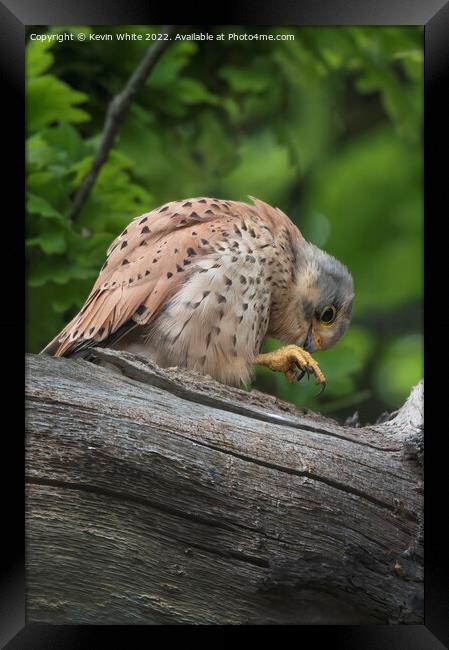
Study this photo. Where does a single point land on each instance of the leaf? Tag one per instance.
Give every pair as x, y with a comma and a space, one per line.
51, 242
38, 205
52, 185
114, 199
38, 59
116, 162
65, 138
50, 100
168, 68
56, 148
191, 91
38, 152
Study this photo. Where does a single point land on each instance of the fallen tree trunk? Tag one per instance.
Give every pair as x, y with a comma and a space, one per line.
161, 496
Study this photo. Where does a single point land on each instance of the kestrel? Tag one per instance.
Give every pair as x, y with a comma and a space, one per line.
200, 283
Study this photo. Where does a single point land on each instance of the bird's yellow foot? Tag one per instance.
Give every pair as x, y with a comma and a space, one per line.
288, 359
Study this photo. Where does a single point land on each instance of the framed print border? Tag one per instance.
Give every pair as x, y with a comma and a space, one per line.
15, 15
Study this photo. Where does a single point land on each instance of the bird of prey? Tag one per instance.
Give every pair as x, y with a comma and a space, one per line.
200, 283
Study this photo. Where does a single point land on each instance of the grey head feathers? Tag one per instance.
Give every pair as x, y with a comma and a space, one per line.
324, 281
329, 276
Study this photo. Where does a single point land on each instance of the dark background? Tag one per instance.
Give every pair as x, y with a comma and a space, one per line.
327, 126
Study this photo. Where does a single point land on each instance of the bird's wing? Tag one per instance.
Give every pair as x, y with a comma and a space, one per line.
145, 265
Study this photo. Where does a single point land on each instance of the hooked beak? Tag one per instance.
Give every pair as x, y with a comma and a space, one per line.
312, 342
309, 343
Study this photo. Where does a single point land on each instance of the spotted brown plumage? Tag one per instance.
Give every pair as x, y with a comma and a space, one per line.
200, 283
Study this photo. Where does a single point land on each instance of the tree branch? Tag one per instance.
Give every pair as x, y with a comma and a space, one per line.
160, 496
115, 116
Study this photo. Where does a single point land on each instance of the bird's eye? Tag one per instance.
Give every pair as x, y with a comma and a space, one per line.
328, 315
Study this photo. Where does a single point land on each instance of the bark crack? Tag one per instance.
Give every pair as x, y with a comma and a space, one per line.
409, 515
151, 378
129, 498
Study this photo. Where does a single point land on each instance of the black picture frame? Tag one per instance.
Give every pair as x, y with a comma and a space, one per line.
434, 16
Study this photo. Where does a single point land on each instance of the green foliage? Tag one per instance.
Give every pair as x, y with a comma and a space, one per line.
327, 126
370, 192
49, 100
62, 259
402, 365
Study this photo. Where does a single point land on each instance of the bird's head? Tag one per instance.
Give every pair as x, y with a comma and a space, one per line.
325, 291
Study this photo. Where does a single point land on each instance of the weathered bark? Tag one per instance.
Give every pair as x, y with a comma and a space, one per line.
161, 496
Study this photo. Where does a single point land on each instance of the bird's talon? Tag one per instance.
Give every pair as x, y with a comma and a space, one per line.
289, 360
322, 387
297, 374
